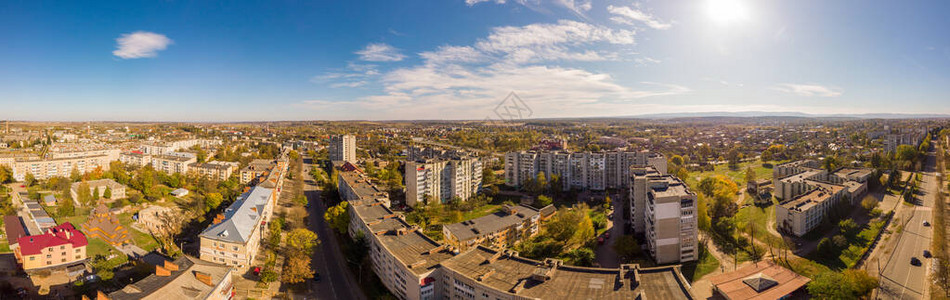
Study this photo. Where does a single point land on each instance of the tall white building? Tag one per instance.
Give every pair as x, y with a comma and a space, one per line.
663, 210
442, 179
343, 148
581, 170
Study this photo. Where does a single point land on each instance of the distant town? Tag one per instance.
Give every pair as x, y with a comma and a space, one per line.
678, 208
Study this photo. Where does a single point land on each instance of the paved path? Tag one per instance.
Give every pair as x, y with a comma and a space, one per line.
606, 255
336, 281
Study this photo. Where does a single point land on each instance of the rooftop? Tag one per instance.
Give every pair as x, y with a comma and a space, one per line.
504, 271
59, 235
187, 278
242, 217
491, 223
763, 280
406, 243
808, 200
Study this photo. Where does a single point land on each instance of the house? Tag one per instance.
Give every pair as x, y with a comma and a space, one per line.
62, 245
13, 229
108, 189
185, 278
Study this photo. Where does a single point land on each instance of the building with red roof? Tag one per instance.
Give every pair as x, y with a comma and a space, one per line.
61, 245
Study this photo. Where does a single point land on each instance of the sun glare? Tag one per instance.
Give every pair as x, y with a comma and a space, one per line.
725, 12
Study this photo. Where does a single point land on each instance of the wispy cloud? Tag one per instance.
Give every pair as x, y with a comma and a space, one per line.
380, 52
627, 15
579, 7
140, 44
809, 90
355, 75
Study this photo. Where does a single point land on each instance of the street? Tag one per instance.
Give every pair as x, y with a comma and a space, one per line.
900, 279
336, 282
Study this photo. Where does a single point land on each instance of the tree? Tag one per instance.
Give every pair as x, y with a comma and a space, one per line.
30, 180
830, 163
84, 193
676, 160
95, 193
869, 204
581, 257
6, 175
749, 175
848, 226
296, 270
107, 193
338, 218
850, 284
213, 200
66, 208
543, 201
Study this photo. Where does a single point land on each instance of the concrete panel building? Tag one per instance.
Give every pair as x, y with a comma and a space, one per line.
580, 170
234, 237
442, 179
499, 230
343, 148
804, 212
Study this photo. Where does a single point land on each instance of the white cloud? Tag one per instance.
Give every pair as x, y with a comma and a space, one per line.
380, 52
627, 15
462, 54
140, 44
355, 75
473, 2
809, 90
550, 42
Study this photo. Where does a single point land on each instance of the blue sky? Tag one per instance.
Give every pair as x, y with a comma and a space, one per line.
457, 59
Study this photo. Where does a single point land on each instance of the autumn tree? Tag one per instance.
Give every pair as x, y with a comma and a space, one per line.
337, 217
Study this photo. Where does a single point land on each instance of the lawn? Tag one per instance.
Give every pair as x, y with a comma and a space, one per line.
141, 239
737, 175
705, 265
758, 217
480, 211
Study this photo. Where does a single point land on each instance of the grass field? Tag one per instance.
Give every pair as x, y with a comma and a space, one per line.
737, 175
481, 211
705, 265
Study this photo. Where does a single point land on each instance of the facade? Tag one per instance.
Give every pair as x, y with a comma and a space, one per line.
43, 169
412, 266
135, 158
62, 245
664, 210
579, 170
256, 168
343, 148
804, 212
796, 178
498, 230
166, 147
442, 179
104, 225
185, 278
171, 164
893, 140
234, 237
117, 189
218, 170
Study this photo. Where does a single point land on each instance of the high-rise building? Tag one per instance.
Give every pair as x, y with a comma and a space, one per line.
442, 178
663, 209
580, 170
343, 148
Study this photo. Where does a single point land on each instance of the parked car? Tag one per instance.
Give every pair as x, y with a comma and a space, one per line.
914, 261
600, 240
927, 254
607, 234
316, 276
257, 271
926, 223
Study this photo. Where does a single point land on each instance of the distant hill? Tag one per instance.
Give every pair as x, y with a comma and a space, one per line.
747, 114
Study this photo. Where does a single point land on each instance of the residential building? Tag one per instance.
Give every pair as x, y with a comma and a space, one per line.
166, 147
579, 170
356, 186
171, 164
796, 178
40, 220
343, 148
442, 179
759, 281
218, 170
412, 266
664, 211
804, 212
257, 168
234, 237
484, 273
105, 225
13, 230
498, 230
908, 137
43, 169
135, 158
116, 189
185, 278
61, 245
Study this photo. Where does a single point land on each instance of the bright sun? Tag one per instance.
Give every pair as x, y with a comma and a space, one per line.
725, 12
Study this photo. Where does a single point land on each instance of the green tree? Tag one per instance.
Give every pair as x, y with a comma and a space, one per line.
850, 284
6, 175
30, 180
338, 218
676, 160
749, 174
107, 193
300, 242
95, 193
213, 200
543, 201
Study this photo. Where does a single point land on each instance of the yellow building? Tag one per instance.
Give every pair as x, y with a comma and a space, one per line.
62, 245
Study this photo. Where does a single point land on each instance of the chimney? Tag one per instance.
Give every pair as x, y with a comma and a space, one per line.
171, 266
218, 219
204, 278
162, 272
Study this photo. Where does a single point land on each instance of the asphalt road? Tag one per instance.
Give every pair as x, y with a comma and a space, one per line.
336, 282
900, 279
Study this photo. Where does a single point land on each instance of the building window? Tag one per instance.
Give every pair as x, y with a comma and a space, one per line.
77, 250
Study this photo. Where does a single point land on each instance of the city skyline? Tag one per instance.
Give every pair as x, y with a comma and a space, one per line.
412, 60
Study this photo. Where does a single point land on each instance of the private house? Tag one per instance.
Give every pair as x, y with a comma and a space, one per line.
105, 225
62, 245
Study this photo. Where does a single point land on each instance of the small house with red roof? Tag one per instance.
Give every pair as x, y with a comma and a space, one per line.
61, 245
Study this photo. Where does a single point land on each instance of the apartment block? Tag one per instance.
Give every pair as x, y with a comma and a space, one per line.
442, 179
185, 278
218, 170
579, 170
499, 230
796, 178
234, 237
804, 212
343, 148
172, 164
166, 147
664, 210
135, 158
43, 169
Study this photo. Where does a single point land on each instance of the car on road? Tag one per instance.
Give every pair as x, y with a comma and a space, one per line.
316, 276
926, 223
927, 254
600, 240
607, 234
914, 261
